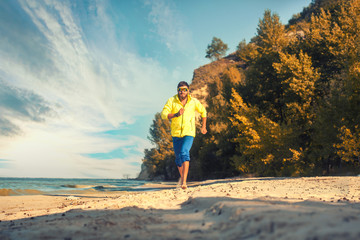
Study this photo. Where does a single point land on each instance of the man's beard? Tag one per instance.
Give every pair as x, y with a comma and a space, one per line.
182, 98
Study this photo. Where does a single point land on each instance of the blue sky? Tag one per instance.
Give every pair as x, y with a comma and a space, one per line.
80, 81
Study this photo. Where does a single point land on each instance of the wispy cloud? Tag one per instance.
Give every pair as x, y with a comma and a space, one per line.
83, 75
7, 128
169, 26
61, 87
20, 104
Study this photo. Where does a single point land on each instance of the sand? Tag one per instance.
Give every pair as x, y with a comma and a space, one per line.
256, 208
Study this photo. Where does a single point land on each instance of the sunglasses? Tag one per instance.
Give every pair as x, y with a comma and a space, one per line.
183, 89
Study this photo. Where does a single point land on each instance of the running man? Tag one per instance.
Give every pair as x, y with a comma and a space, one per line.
180, 109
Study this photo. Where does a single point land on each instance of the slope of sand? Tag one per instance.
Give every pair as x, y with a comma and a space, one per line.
259, 208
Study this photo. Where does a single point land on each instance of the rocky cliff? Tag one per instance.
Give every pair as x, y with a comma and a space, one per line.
210, 73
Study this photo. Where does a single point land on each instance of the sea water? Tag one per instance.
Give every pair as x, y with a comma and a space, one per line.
54, 186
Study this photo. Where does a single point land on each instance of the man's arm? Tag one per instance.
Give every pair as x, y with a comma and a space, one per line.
167, 109
201, 109
178, 114
166, 112
203, 128
172, 115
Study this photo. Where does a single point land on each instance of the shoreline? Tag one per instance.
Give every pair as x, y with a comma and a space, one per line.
257, 207
53, 186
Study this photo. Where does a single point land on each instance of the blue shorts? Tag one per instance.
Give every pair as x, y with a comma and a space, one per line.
182, 148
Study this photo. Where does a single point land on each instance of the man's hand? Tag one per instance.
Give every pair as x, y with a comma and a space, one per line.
178, 114
203, 130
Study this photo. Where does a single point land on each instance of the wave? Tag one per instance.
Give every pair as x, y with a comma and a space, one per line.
77, 186
97, 187
29, 186
18, 192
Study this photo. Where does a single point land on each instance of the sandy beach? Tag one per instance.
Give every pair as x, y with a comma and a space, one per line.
239, 208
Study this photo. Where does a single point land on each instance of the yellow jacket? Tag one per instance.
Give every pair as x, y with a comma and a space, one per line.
183, 125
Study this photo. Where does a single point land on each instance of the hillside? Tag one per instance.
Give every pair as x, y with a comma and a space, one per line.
285, 104
203, 77
210, 73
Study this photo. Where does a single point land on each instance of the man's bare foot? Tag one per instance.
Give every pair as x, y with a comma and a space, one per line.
179, 184
184, 186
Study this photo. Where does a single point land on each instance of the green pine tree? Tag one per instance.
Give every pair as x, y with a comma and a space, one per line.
217, 49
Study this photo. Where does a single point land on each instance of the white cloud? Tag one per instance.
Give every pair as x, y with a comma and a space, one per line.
114, 88
59, 152
88, 86
169, 26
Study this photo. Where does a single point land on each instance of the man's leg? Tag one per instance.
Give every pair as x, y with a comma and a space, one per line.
177, 143
181, 171
185, 169
185, 157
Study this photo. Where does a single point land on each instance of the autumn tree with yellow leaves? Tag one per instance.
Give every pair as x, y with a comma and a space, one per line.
159, 159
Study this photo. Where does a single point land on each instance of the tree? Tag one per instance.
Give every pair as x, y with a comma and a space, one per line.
263, 88
216, 149
217, 49
332, 43
261, 144
159, 160
271, 33
298, 78
349, 147
247, 52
